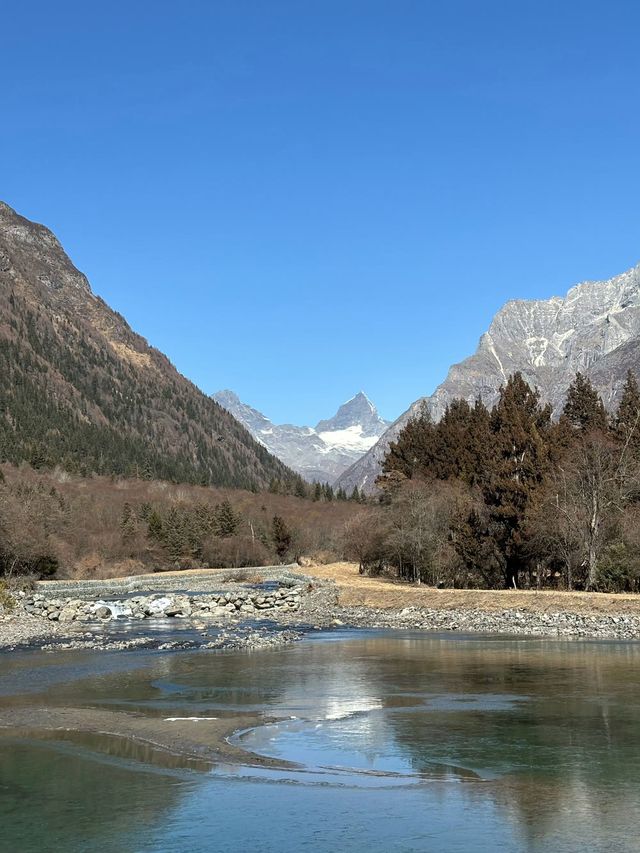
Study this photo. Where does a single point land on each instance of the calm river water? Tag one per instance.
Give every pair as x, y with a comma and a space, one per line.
408, 742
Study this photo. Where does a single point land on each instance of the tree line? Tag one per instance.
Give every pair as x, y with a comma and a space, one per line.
315, 491
510, 497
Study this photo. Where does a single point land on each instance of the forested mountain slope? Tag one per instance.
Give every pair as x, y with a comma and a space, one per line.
80, 389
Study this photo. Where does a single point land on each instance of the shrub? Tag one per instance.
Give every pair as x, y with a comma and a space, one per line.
6, 599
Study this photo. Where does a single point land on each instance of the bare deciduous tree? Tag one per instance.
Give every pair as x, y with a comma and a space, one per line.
419, 538
585, 502
363, 540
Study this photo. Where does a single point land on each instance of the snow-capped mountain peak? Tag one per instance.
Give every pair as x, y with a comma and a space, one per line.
321, 453
359, 411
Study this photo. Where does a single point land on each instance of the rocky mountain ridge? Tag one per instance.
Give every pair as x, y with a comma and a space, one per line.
594, 329
320, 453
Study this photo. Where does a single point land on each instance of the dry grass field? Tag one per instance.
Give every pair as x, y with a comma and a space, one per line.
357, 590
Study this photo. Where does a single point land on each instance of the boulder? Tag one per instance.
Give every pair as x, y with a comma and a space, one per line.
158, 606
68, 614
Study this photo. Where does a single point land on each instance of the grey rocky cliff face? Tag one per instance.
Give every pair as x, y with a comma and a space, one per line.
30, 251
319, 454
594, 329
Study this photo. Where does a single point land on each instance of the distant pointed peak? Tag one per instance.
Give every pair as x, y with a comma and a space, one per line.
226, 395
357, 411
360, 397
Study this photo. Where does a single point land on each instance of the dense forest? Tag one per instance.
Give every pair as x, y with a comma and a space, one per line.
510, 497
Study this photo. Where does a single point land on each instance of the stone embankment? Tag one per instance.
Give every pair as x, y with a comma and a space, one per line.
239, 602
253, 608
193, 581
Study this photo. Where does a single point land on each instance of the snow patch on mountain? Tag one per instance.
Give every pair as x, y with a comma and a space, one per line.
319, 454
350, 438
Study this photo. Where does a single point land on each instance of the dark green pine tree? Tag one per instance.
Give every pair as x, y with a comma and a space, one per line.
516, 462
327, 492
627, 418
452, 457
128, 522
317, 492
584, 409
281, 535
355, 495
225, 520
478, 438
454, 448
461, 440
412, 453
155, 525
175, 534
300, 489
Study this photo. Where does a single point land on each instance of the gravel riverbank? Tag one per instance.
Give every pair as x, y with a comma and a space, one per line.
221, 611
20, 629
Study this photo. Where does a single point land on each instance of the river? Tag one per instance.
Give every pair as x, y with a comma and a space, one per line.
397, 742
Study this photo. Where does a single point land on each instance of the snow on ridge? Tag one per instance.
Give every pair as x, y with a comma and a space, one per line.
325, 451
350, 438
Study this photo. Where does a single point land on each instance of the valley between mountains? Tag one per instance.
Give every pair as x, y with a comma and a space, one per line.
112, 462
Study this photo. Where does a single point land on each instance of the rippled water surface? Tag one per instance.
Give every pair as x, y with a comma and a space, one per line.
402, 742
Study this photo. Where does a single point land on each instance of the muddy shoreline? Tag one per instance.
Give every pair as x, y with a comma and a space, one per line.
199, 743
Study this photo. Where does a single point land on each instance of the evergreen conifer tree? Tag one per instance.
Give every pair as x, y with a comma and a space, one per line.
281, 535
128, 522
155, 525
627, 418
225, 521
413, 450
175, 536
515, 463
300, 489
584, 409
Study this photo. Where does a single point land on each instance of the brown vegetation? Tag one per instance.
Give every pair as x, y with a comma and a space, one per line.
52, 524
357, 590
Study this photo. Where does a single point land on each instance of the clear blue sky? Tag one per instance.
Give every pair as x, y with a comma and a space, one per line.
297, 200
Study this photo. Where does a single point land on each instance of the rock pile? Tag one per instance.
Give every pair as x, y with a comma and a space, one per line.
243, 603
238, 637
521, 622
